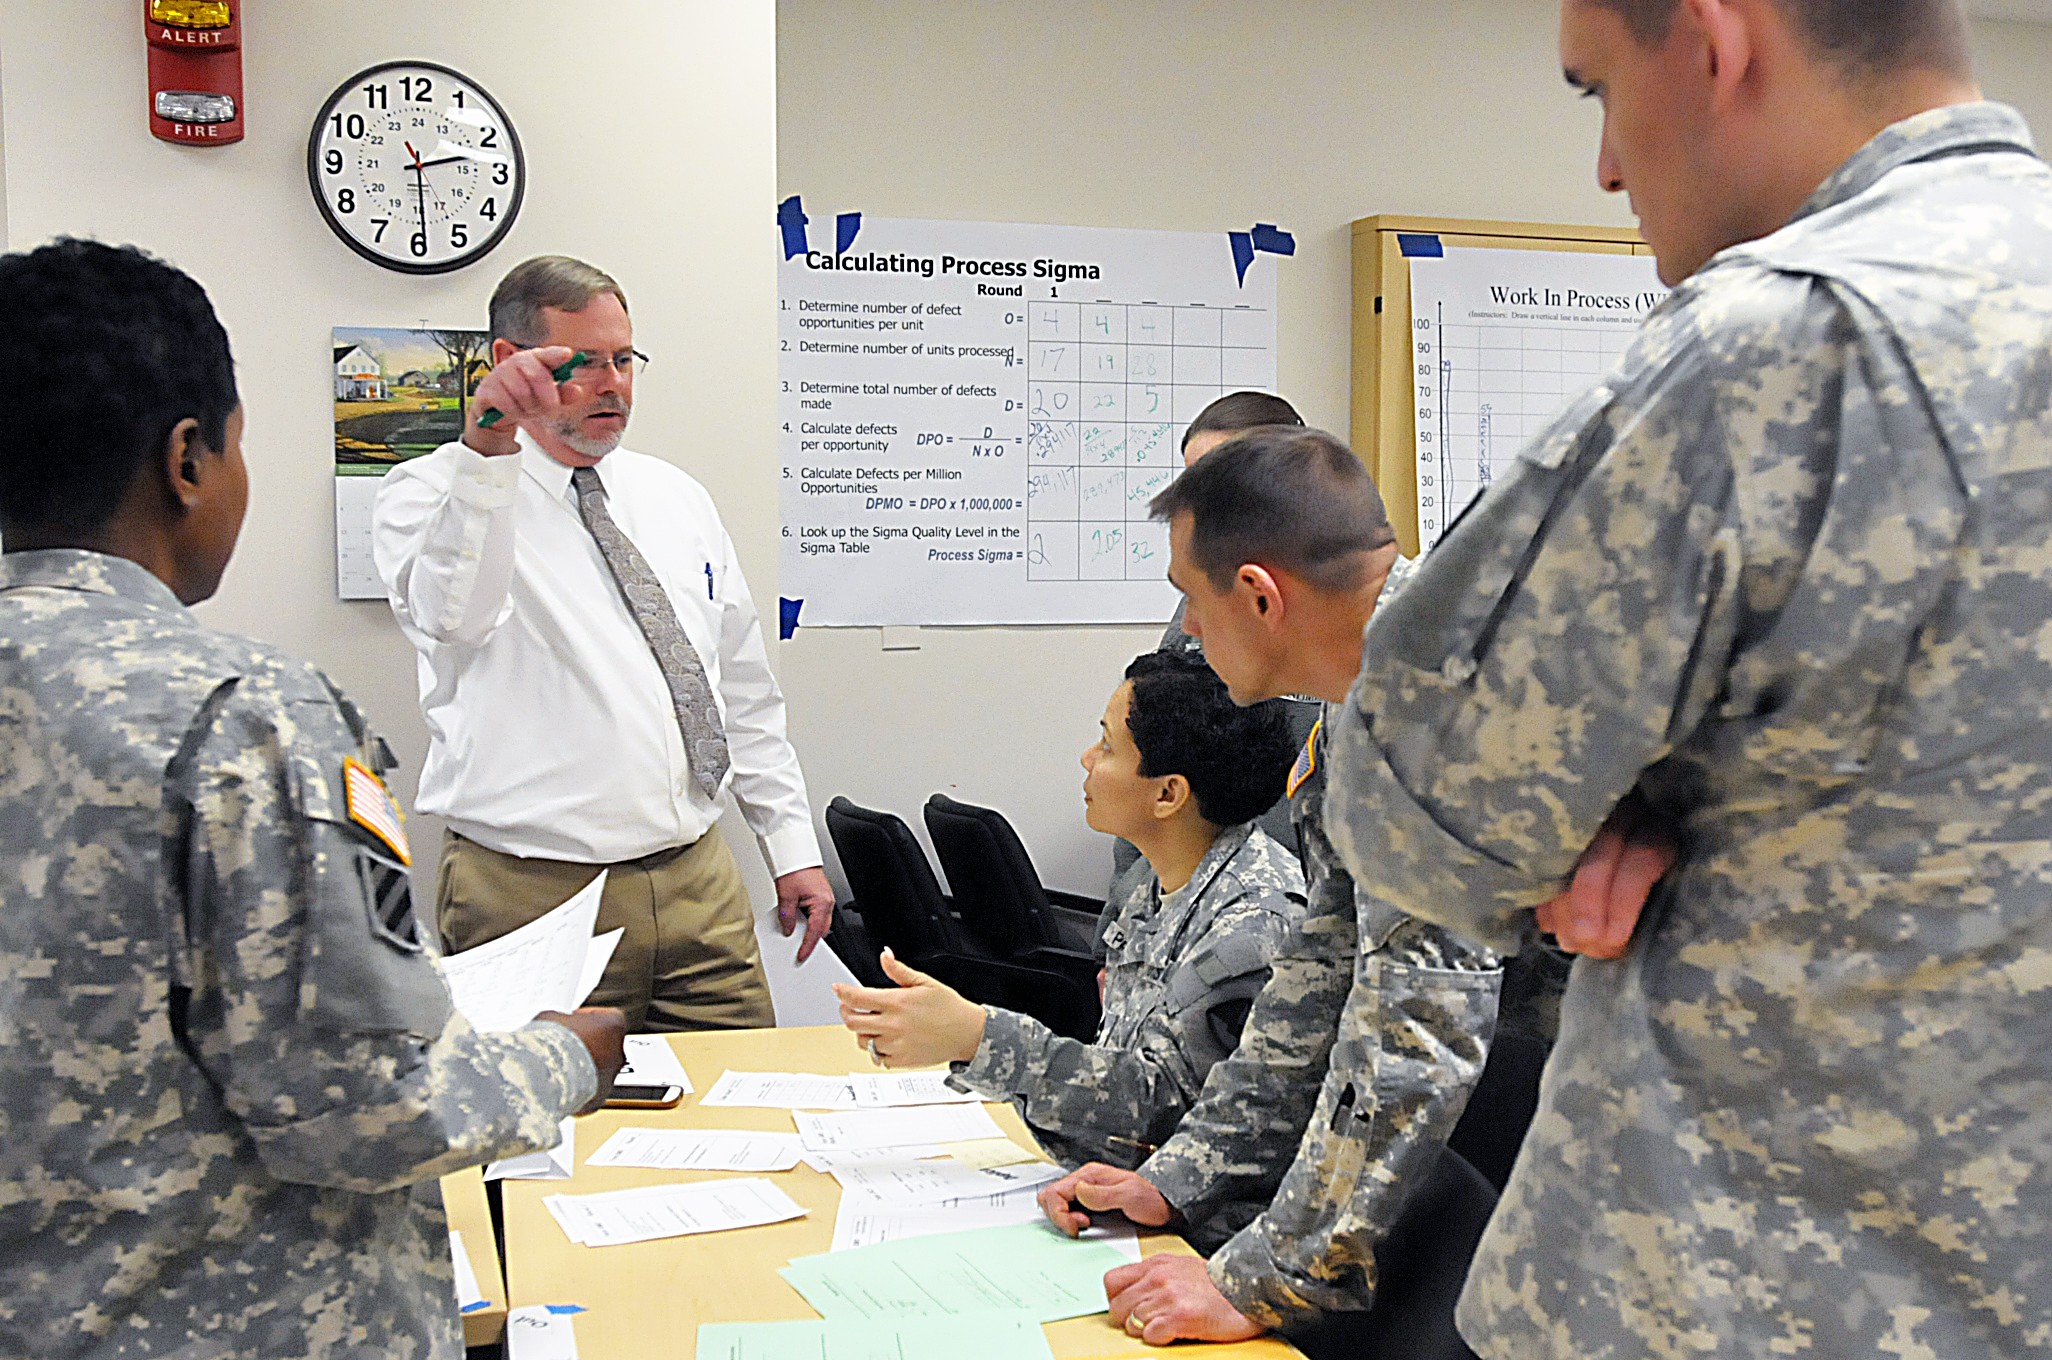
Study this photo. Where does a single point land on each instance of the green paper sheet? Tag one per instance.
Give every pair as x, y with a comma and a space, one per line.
1029, 1268
987, 1336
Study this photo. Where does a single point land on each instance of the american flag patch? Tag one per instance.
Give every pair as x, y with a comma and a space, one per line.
371, 807
1307, 761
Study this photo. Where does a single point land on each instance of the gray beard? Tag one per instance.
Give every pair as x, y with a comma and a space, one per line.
589, 446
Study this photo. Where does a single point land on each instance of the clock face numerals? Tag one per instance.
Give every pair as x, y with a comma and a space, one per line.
415, 167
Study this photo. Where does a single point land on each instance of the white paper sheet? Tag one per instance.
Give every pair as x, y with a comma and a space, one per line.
503, 983
1504, 341
894, 1128
825, 1162
780, 1091
862, 1222
652, 1062
908, 1183
550, 1164
698, 1150
875, 1091
990, 1152
468, 1295
534, 1333
1052, 412
643, 1215
597, 955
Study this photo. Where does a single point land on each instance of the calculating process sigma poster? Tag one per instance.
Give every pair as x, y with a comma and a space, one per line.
399, 393
974, 416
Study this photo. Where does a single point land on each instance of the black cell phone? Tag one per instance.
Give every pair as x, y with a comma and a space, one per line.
644, 1097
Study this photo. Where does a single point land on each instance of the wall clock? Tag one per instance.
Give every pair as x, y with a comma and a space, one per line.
415, 167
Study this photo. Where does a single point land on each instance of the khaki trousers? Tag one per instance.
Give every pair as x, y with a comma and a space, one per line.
688, 959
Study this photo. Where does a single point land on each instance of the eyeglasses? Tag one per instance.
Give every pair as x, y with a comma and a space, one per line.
626, 363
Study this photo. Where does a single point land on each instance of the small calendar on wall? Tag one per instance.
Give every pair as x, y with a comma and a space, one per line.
974, 416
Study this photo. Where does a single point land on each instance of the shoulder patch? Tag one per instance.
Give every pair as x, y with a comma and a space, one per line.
1307, 762
372, 807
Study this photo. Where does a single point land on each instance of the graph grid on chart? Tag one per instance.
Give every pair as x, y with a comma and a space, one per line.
1110, 386
1485, 389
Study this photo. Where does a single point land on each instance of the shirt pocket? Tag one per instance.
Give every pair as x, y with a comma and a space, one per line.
1432, 1032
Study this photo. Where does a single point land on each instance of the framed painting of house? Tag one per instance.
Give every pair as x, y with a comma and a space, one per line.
399, 393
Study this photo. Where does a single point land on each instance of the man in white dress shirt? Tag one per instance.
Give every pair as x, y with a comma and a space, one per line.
592, 671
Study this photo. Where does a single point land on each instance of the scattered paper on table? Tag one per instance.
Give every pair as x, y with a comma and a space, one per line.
1122, 1238
469, 1298
537, 1333
780, 1091
989, 1152
647, 1213
652, 1062
503, 983
863, 1222
906, 1183
895, 1128
698, 1150
550, 1164
874, 1090
987, 1336
1030, 1268
826, 1161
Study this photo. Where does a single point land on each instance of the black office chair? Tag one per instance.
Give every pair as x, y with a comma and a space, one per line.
900, 905
997, 891
1419, 1270
1492, 1128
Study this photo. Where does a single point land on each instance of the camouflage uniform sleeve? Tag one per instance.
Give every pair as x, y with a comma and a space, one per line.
1085, 1092
1233, 1143
1569, 632
315, 1004
1403, 1066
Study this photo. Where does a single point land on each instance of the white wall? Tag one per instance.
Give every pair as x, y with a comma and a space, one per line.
1200, 115
650, 129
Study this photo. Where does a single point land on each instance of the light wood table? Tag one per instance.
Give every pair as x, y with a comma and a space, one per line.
463, 1195
647, 1298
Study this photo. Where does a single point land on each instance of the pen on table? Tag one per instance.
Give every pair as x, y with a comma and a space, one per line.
560, 374
708, 581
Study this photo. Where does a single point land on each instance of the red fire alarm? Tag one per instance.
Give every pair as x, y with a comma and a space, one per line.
195, 70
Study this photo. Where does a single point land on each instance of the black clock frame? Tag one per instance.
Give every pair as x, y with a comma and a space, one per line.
313, 173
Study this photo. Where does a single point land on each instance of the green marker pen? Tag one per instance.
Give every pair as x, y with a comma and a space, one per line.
560, 373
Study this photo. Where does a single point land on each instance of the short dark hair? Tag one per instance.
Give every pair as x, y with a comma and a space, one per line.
121, 347
1281, 497
1185, 722
560, 281
1238, 412
1861, 37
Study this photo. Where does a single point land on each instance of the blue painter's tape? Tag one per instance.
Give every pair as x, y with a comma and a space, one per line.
1420, 245
791, 221
562, 1309
473, 1307
845, 227
787, 617
1243, 252
1273, 239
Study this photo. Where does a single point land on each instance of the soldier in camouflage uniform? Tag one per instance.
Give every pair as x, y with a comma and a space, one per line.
229, 1070
1182, 770
1362, 1098
1785, 572
1218, 424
